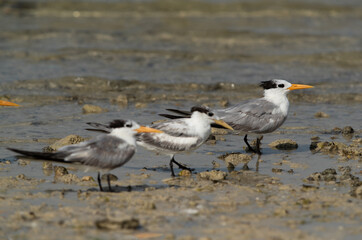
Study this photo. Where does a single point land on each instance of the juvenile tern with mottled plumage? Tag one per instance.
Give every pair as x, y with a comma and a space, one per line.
103, 153
259, 116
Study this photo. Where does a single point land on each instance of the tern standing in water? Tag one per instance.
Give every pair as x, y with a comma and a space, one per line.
181, 135
103, 153
258, 116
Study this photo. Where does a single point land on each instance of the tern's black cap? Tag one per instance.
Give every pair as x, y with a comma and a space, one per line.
119, 123
268, 84
201, 109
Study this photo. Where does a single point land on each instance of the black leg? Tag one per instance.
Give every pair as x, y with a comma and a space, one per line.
109, 183
249, 147
99, 182
182, 166
258, 140
173, 161
171, 167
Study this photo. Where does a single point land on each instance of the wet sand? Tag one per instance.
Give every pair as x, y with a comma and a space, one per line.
133, 60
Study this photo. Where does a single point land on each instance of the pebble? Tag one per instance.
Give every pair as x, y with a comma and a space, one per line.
22, 162
87, 179
321, 115
219, 131
106, 224
347, 130
235, 158
121, 100
60, 171
88, 108
185, 173
284, 144
68, 140
213, 175
47, 166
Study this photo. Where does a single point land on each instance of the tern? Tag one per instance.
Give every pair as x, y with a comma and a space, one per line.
6, 103
179, 135
258, 116
103, 153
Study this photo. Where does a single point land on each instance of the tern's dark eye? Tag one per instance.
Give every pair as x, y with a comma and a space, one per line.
210, 114
281, 85
129, 125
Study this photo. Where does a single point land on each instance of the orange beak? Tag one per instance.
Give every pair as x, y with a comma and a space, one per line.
147, 129
5, 103
299, 86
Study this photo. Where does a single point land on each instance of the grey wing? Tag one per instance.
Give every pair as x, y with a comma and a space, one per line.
176, 137
105, 151
176, 128
254, 116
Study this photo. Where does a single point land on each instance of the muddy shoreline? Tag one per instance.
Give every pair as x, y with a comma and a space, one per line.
72, 62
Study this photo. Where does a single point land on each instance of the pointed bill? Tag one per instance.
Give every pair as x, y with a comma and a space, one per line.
222, 123
299, 86
147, 129
6, 103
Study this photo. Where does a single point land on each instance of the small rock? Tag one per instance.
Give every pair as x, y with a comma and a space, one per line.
336, 130
313, 146
106, 224
87, 179
47, 166
284, 144
68, 178
68, 140
329, 171
219, 131
215, 164
281, 212
345, 169
321, 115
111, 177
88, 108
22, 162
185, 173
213, 175
277, 170
22, 177
224, 103
347, 130
315, 138
140, 105
235, 158
60, 171
230, 167
358, 192
121, 100
329, 178
315, 177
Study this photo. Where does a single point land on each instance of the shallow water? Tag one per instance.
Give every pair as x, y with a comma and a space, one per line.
56, 56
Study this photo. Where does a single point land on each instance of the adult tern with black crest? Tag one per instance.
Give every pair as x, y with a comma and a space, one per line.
103, 153
258, 116
181, 135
